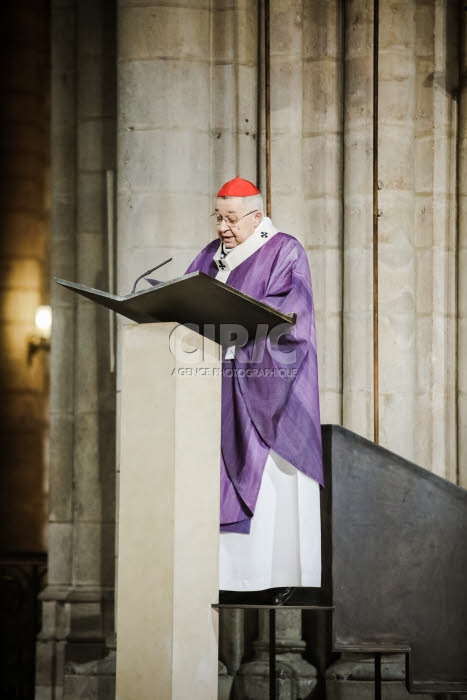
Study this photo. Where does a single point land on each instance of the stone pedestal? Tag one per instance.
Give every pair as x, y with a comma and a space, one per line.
95, 680
295, 677
352, 678
168, 516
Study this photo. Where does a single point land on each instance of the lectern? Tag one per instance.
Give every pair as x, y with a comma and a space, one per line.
167, 574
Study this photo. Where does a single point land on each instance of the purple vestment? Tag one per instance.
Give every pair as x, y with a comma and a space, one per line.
268, 402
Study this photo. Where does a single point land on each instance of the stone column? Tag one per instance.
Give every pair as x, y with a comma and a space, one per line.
187, 117
92, 565
461, 266
51, 642
443, 418
396, 262
78, 606
163, 136
290, 154
357, 391
435, 236
423, 221
234, 79
321, 193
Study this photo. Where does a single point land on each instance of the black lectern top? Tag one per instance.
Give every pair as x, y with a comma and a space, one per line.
195, 299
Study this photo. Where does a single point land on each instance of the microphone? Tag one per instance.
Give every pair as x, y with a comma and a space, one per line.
149, 271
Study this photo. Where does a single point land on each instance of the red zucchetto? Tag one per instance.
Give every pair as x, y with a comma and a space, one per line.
238, 188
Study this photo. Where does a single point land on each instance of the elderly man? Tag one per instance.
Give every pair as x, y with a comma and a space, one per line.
271, 464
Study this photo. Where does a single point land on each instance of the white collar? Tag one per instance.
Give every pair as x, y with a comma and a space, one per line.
261, 235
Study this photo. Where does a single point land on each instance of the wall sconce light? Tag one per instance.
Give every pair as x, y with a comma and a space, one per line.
41, 339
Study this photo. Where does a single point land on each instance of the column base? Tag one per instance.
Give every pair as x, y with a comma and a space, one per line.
352, 678
225, 682
94, 680
72, 642
295, 679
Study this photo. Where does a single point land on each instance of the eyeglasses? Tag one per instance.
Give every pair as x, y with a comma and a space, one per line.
231, 220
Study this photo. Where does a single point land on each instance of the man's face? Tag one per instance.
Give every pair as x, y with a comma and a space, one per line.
238, 222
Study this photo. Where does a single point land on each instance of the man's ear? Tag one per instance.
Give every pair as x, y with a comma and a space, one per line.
258, 217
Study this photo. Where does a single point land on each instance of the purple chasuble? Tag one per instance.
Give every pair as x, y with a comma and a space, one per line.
269, 392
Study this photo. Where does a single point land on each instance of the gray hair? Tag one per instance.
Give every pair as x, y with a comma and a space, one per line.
254, 201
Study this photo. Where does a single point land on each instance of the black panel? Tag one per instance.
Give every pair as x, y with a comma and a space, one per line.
399, 560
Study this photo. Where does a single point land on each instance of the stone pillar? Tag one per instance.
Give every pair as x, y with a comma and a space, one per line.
51, 641
461, 265
92, 566
357, 390
163, 136
321, 192
77, 604
233, 117
396, 261
435, 238
424, 145
444, 332
290, 155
